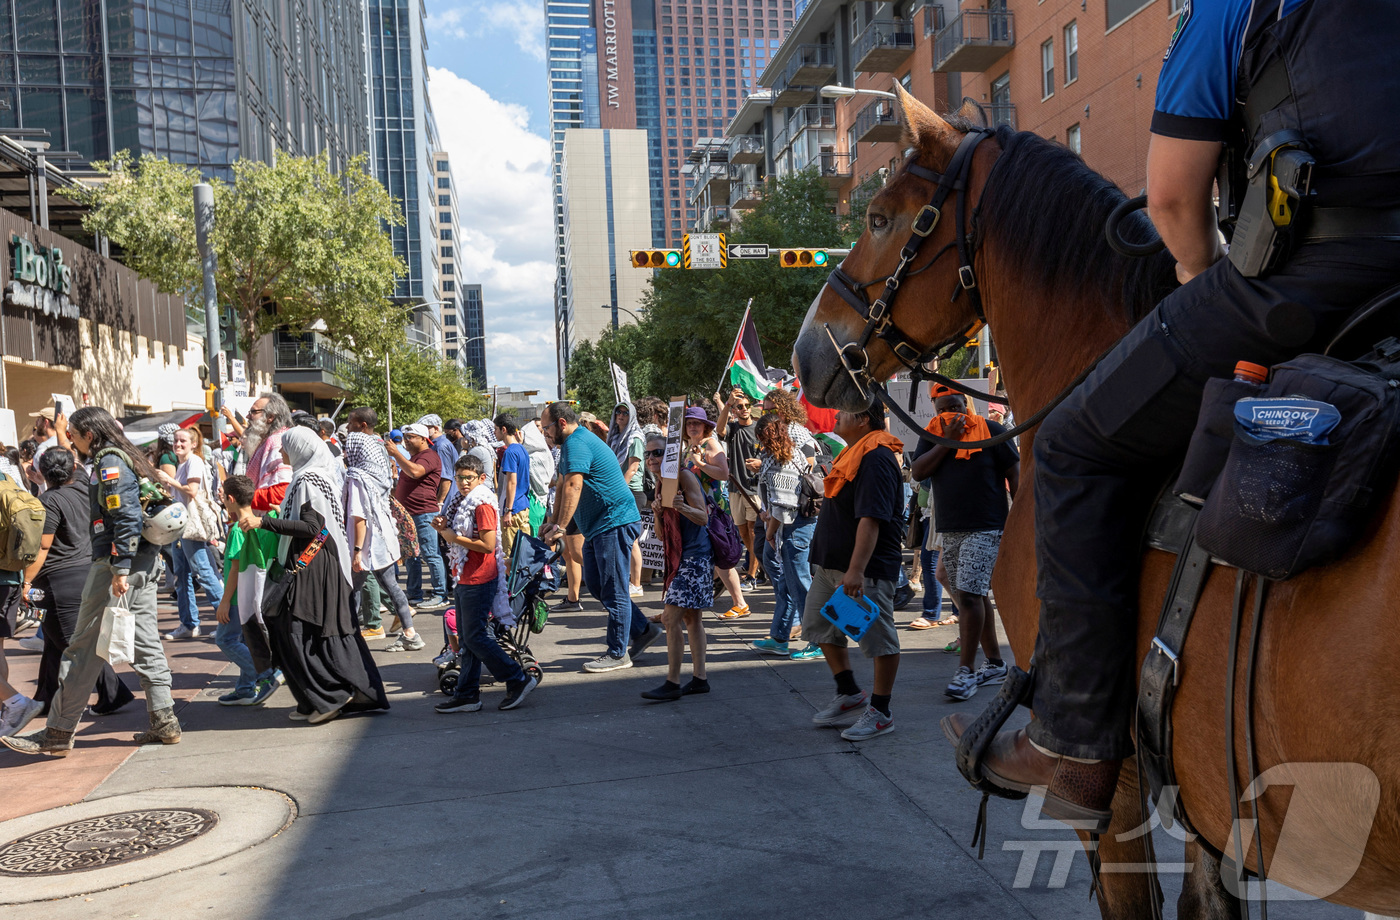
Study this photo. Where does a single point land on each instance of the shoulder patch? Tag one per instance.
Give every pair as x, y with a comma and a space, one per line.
1180, 24
110, 474
114, 502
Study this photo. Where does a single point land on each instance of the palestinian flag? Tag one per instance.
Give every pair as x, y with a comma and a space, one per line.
746, 368
818, 420
833, 441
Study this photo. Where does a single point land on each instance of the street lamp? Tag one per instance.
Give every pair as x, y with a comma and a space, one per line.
614, 308
837, 91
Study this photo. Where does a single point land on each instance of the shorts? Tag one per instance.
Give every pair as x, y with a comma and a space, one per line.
693, 588
968, 558
881, 639
744, 510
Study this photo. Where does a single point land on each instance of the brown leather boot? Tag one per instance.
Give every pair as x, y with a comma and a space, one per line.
165, 728
1079, 794
50, 741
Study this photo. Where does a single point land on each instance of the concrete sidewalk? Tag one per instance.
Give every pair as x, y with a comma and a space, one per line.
588, 802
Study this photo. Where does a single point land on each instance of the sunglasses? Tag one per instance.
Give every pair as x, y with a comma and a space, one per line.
657, 453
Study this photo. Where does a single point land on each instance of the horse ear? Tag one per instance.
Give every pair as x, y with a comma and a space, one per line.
972, 112
922, 126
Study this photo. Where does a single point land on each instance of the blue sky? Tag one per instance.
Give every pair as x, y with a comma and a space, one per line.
486, 61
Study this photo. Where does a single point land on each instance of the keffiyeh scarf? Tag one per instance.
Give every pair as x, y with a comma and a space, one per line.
464, 525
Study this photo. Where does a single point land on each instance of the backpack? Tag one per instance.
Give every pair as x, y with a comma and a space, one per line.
812, 487
21, 526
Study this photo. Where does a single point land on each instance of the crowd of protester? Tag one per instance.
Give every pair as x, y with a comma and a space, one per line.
300, 538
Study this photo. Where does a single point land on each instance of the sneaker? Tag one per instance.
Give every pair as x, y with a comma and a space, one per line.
17, 716
184, 632
872, 722
376, 633
459, 704
735, 612
433, 603
406, 644
247, 697
990, 674
635, 591
640, 643
842, 708
568, 607
903, 596
812, 652
768, 646
664, 693
296, 715
608, 663
446, 658
695, 685
516, 695
25, 622
963, 686
262, 690
748, 584
33, 644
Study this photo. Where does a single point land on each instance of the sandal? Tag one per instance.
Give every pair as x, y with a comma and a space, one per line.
947, 621
735, 612
920, 623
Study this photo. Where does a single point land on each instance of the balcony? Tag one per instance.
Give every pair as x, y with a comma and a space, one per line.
883, 46
974, 41
746, 150
877, 123
712, 176
1001, 113
781, 139
745, 195
306, 363
933, 20
809, 116
714, 218
834, 168
810, 65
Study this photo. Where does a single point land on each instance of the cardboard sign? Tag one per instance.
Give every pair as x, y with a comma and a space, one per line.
621, 393
671, 462
653, 552
9, 435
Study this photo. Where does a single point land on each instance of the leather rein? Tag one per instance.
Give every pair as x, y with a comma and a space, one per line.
878, 315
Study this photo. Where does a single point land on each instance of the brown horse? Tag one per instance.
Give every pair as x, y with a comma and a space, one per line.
1327, 724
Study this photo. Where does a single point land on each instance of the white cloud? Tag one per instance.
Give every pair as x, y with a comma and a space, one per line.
522, 21
502, 173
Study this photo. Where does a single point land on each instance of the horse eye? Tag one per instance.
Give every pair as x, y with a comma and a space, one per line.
878, 221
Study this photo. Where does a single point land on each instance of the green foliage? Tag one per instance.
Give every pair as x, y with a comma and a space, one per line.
588, 379
421, 382
693, 316
295, 242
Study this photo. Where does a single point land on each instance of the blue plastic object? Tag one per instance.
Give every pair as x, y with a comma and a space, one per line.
1292, 418
853, 616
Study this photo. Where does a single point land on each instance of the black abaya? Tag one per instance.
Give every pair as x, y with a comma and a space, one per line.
317, 642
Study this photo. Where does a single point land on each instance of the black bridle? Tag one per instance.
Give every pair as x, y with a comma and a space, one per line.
878, 315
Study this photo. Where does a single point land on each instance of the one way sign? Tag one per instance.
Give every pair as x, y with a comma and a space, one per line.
748, 250
704, 250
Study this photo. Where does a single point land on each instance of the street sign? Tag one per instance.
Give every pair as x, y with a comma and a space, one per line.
705, 250
748, 250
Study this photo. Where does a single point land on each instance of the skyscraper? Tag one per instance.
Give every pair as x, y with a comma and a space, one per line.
676, 70
202, 82
404, 136
463, 335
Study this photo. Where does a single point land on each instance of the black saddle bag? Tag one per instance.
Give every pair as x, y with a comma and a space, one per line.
1280, 506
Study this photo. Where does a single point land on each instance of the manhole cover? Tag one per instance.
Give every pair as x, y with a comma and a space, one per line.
105, 840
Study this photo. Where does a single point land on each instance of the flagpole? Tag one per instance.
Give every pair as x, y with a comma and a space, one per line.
737, 336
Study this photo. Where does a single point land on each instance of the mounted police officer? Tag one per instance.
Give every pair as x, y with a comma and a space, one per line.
123, 572
1300, 93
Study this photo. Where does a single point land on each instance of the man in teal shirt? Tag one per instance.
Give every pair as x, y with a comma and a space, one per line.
594, 494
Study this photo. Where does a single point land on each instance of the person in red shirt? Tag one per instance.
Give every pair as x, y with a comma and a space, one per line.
420, 472
479, 569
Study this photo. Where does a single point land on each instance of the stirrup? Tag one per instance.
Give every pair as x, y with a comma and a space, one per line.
972, 746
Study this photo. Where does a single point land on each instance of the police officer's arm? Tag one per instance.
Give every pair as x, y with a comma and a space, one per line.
121, 511
1180, 179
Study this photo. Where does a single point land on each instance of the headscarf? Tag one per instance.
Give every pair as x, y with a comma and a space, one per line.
620, 439
482, 431
974, 428
541, 458
165, 434
431, 421
317, 478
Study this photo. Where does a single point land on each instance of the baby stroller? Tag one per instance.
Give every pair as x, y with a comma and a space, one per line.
533, 575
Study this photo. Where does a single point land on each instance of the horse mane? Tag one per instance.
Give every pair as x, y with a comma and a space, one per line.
1043, 203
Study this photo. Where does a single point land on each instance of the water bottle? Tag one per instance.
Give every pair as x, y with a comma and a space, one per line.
1249, 372
1215, 430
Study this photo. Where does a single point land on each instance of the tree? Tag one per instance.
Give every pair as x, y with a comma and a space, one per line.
422, 382
295, 243
693, 316
590, 380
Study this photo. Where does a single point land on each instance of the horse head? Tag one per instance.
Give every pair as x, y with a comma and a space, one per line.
840, 351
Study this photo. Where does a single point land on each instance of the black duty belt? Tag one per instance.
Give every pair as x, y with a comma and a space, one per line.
1352, 223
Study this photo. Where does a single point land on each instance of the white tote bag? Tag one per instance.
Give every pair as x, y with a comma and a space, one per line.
116, 641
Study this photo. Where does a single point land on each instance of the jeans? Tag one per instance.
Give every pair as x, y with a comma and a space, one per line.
81, 665
229, 638
796, 550
784, 614
384, 579
478, 642
933, 591
430, 554
191, 560
607, 562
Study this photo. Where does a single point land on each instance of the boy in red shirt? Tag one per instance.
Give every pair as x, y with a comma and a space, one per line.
470, 528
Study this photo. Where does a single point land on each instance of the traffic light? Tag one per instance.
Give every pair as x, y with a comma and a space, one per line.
656, 258
802, 258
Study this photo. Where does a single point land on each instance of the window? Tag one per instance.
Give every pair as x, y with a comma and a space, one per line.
442, 166
1072, 139
444, 201
447, 252
1047, 69
449, 286
444, 182
447, 269
1071, 53
1117, 12
1174, 7
445, 233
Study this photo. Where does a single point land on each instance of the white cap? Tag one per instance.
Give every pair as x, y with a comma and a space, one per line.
415, 428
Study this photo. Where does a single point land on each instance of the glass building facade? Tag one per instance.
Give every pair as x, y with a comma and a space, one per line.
201, 82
